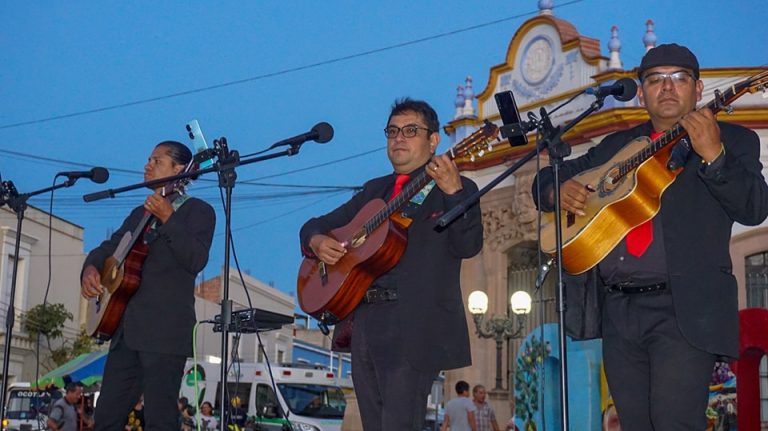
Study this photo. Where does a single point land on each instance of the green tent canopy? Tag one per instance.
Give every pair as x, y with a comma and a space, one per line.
87, 368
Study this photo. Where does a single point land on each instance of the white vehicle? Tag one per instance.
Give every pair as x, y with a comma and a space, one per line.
308, 398
25, 409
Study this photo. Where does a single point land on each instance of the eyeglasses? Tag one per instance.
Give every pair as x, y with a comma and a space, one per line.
680, 77
409, 131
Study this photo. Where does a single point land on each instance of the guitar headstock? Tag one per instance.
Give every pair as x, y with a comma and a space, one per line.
757, 83
179, 187
478, 144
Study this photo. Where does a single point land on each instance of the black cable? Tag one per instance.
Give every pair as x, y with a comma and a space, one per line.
237, 329
45, 296
542, 381
277, 73
287, 213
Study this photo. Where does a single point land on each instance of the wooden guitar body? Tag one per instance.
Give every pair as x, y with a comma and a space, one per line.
330, 292
628, 190
375, 240
618, 204
120, 283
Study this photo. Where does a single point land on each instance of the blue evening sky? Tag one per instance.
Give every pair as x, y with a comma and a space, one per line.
69, 57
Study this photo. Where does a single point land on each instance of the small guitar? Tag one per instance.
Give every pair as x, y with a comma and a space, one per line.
628, 190
121, 272
376, 239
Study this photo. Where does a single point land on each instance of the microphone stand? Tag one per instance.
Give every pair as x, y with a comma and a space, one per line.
225, 166
18, 203
558, 150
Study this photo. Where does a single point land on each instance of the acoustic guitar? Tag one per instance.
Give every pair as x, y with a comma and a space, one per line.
375, 240
121, 272
628, 189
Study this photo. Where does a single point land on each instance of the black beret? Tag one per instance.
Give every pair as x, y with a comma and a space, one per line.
670, 54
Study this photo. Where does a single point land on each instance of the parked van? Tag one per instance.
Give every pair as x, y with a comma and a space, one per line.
25, 409
310, 398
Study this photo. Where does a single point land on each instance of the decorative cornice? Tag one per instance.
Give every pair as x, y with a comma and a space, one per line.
569, 39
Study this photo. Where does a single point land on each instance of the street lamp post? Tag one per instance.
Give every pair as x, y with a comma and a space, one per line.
500, 328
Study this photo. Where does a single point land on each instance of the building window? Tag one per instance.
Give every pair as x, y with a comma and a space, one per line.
260, 353
756, 269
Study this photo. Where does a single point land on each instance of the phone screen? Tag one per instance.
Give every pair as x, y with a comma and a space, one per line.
198, 141
510, 115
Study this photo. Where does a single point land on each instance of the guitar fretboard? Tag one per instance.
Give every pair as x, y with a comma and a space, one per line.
677, 132
477, 143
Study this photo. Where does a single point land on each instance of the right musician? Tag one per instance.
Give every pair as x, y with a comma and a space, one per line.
664, 299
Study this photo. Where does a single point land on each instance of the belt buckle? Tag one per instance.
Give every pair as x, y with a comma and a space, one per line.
370, 295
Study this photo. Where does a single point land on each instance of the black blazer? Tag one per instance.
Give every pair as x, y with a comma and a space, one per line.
697, 211
160, 316
430, 307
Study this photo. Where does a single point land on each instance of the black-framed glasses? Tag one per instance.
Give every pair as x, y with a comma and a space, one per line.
680, 77
409, 131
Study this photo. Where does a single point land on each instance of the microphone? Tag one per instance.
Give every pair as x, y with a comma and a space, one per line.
320, 133
97, 175
624, 89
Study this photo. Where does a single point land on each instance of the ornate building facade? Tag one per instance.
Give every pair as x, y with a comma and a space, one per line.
547, 63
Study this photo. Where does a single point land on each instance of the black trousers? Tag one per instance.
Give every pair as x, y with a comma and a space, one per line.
391, 392
130, 373
657, 379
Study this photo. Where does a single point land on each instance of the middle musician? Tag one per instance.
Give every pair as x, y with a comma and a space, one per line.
411, 323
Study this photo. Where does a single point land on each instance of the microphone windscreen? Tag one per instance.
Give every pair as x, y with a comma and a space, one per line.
324, 132
99, 175
629, 87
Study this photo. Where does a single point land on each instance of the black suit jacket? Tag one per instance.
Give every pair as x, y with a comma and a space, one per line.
160, 316
430, 308
697, 211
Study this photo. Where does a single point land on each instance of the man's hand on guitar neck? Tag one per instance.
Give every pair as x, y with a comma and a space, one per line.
327, 249
445, 173
573, 196
90, 284
158, 206
702, 127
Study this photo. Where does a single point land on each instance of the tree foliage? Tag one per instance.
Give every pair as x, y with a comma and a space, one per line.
47, 321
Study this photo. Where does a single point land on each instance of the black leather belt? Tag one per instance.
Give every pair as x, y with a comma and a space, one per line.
379, 294
630, 289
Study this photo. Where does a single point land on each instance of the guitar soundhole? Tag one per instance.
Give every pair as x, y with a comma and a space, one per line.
610, 181
358, 240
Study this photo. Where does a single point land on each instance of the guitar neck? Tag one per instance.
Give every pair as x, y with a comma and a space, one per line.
677, 132
409, 190
475, 145
129, 239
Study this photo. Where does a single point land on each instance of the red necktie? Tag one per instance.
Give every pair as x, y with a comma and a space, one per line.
639, 238
400, 181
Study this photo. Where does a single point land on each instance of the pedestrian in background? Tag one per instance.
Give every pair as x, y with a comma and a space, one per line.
460, 411
485, 417
63, 415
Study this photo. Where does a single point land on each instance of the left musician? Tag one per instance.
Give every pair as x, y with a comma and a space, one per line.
150, 346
